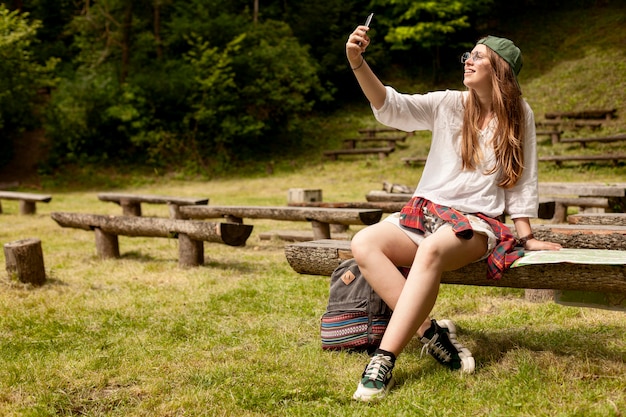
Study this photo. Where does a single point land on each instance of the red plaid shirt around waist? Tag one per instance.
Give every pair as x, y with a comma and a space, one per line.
503, 255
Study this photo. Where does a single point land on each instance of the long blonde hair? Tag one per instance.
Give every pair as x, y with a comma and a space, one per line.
509, 134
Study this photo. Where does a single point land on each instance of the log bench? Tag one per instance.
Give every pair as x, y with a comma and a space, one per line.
583, 114
553, 208
190, 234
555, 135
382, 152
559, 159
27, 201
414, 160
596, 219
391, 141
320, 217
604, 139
372, 132
131, 203
384, 206
321, 257
570, 124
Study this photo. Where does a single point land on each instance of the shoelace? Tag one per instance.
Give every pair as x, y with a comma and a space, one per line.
437, 349
373, 372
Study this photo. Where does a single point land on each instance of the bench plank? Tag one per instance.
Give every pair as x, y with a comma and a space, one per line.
153, 199
606, 219
232, 234
583, 114
27, 201
351, 143
37, 198
382, 152
384, 206
559, 159
131, 203
371, 132
321, 257
289, 213
583, 189
604, 139
321, 218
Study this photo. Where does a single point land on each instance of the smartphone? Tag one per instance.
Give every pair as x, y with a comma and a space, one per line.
367, 22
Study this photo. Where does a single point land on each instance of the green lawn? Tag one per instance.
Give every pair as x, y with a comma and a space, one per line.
239, 336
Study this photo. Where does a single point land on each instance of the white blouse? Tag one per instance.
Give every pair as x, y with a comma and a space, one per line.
444, 181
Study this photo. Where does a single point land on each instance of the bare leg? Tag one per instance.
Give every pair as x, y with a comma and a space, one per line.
379, 248
441, 251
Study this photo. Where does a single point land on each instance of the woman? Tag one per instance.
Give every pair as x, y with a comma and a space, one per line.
482, 162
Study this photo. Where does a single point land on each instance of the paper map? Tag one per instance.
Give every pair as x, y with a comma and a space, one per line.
579, 256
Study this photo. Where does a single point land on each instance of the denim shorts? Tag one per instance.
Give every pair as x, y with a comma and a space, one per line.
433, 223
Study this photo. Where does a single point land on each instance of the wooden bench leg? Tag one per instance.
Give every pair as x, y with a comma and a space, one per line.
27, 207
320, 230
0, 207
190, 252
555, 137
24, 261
107, 245
130, 208
538, 296
174, 211
560, 213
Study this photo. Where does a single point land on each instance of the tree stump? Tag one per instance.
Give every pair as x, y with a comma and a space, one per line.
24, 261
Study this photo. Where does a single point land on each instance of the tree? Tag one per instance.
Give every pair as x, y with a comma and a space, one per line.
425, 24
20, 76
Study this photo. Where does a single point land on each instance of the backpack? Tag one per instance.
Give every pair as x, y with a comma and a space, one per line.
356, 317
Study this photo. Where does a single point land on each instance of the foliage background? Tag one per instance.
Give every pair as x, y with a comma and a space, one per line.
210, 86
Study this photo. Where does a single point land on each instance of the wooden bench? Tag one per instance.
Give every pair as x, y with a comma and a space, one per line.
595, 219
384, 196
382, 152
605, 139
584, 114
320, 218
321, 257
391, 141
190, 234
555, 135
574, 123
384, 206
372, 132
559, 159
414, 160
555, 208
27, 201
131, 203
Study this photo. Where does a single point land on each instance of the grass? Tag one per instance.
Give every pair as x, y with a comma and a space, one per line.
239, 336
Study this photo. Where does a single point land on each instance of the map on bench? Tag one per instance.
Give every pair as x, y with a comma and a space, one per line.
576, 256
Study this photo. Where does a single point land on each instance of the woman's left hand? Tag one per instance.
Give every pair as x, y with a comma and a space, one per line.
536, 244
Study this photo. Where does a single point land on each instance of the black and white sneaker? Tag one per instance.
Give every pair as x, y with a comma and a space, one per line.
376, 380
440, 341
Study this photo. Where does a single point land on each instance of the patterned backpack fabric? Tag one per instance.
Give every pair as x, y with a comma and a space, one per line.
356, 317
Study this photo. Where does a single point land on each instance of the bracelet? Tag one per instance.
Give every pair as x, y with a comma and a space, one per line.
360, 65
522, 240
